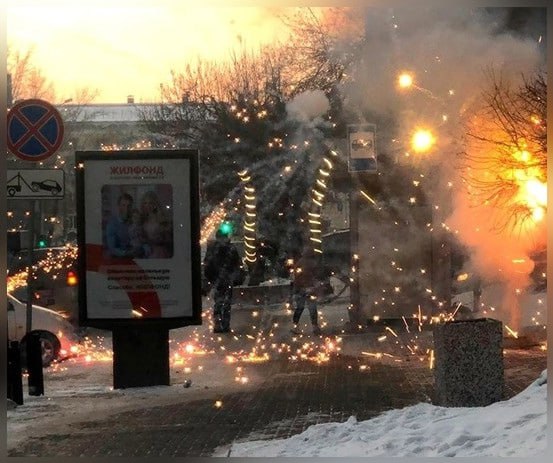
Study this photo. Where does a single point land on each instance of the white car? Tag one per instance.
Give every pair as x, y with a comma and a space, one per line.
57, 335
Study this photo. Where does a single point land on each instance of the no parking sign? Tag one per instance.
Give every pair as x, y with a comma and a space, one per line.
35, 130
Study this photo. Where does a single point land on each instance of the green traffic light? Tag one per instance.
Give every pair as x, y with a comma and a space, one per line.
42, 243
225, 228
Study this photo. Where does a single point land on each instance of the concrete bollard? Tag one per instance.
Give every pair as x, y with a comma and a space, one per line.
15, 379
34, 364
468, 368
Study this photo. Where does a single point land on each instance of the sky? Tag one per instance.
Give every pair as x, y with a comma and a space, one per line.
129, 46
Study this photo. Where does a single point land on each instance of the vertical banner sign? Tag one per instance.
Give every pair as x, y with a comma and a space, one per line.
362, 147
138, 234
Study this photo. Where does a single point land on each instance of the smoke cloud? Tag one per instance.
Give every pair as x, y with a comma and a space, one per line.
308, 105
448, 52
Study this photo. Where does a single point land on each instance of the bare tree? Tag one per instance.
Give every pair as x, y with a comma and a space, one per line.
239, 107
238, 96
234, 112
322, 47
253, 85
506, 148
27, 81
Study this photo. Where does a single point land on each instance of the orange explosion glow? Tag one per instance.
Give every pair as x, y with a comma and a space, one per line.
506, 171
526, 174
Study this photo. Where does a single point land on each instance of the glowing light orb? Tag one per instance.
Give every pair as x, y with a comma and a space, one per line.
463, 277
422, 140
537, 191
538, 214
405, 80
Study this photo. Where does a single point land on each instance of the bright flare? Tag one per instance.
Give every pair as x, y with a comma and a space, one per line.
422, 140
537, 191
405, 80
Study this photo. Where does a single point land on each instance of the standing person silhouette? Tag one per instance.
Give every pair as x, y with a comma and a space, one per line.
221, 268
304, 289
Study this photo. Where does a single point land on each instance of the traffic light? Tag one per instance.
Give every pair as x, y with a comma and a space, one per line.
72, 279
226, 228
42, 241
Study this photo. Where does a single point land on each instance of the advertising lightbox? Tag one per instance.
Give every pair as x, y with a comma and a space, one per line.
139, 238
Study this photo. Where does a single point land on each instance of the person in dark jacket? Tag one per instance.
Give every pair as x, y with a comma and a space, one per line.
304, 292
221, 268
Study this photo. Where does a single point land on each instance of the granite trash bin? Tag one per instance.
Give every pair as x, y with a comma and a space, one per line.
468, 363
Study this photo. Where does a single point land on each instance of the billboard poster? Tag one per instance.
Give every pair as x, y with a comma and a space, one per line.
138, 233
362, 148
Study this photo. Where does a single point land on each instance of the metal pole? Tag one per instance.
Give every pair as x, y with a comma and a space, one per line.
35, 211
355, 296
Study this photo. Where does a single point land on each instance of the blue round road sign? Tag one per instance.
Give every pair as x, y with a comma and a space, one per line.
35, 130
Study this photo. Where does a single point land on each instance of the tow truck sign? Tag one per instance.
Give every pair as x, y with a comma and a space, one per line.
35, 184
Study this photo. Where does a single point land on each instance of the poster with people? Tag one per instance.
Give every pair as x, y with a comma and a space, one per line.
139, 236
137, 221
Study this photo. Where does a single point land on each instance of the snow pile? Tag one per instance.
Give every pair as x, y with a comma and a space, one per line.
512, 428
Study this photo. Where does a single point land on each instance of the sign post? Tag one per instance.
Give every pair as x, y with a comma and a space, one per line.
362, 155
139, 254
34, 184
34, 133
362, 147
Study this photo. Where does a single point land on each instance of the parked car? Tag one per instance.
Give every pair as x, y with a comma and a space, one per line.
55, 278
57, 335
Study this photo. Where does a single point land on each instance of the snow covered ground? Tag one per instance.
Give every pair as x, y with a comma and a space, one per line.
80, 389
512, 428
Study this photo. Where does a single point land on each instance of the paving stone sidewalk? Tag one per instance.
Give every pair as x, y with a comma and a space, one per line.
293, 396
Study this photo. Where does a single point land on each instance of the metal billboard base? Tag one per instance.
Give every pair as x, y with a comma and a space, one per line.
140, 357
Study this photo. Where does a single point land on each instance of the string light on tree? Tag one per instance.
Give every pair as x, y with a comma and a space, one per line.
318, 194
250, 215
